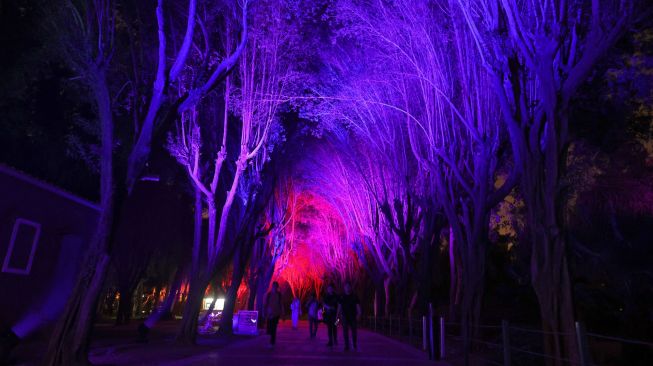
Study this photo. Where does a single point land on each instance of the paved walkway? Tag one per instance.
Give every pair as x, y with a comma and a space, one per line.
294, 347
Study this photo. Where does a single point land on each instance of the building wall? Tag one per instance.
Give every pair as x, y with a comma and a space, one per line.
62, 220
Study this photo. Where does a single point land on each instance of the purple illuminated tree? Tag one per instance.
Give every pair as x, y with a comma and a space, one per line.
169, 79
90, 44
87, 42
538, 54
423, 102
250, 227
353, 179
264, 73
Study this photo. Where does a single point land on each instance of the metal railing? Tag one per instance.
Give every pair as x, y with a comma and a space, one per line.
505, 344
409, 330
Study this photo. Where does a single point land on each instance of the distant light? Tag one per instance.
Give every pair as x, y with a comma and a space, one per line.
219, 304
151, 178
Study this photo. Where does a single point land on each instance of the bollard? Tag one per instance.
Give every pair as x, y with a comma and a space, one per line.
505, 332
582, 345
431, 344
442, 336
424, 333
375, 321
390, 325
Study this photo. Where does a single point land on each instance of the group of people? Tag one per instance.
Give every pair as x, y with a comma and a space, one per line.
332, 310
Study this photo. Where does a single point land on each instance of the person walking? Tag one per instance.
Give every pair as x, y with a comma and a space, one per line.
273, 311
312, 308
296, 312
330, 302
349, 310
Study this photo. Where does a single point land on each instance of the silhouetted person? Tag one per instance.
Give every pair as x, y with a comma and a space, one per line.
312, 307
349, 310
330, 302
296, 312
273, 311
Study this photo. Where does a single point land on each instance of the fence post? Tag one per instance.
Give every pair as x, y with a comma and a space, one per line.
399, 327
442, 336
505, 332
424, 332
432, 346
582, 345
410, 329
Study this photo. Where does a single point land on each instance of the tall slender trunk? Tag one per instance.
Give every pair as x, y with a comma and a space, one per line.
71, 337
454, 281
473, 279
199, 281
253, 287
197, 234
262, 287
168, 302
188, 325
386, 289
429, 264
187, 333
549, 269
125, 305
376, 302
214, 296
240, 259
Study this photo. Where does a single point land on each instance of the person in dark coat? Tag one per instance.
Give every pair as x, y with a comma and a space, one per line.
330, 302
349, 311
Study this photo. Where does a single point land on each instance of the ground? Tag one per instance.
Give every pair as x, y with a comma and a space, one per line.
294, 347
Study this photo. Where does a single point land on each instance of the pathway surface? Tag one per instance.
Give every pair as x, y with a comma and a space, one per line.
294, 347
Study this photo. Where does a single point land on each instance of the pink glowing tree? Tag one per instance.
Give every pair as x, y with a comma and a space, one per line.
299, 274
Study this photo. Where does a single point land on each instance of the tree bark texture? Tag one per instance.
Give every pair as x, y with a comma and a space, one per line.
69, 341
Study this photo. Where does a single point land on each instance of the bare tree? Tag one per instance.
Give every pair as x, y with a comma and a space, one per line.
87, 33
262, 76
432, 112
538, 55
88, 43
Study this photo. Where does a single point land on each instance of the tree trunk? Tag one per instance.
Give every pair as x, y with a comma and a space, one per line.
208, 312
253, 289
188, 329
226, 325
376, 302
556, 308
168, 302
453, 283
428, 267
70, 340
262, 287
187, 333
411, 304
125, 305
472, 296
71, 337
544, 165
386, 289
549, 272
